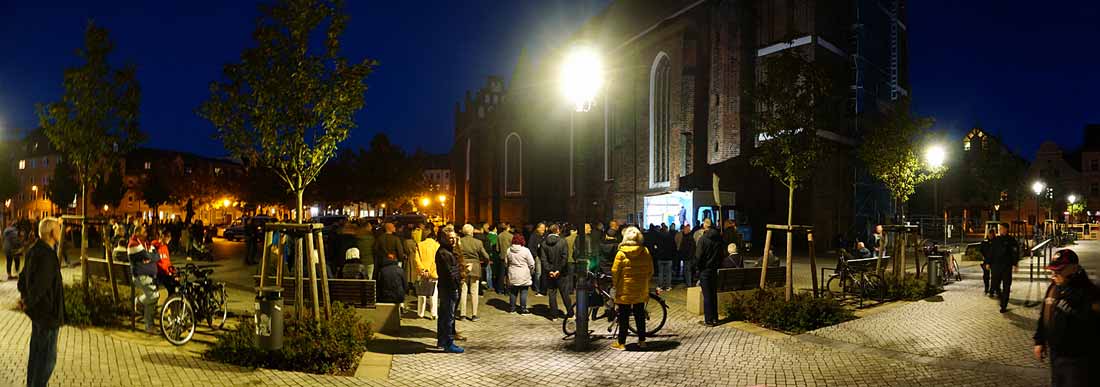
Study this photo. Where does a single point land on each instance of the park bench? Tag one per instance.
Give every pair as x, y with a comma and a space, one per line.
747, 278
359, 293
97, 268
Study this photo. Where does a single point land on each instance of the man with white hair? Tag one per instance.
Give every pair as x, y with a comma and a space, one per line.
42, 299
474, 254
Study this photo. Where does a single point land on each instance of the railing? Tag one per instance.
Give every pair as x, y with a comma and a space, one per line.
1043, 250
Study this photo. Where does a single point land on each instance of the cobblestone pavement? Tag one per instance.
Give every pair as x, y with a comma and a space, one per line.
960, 340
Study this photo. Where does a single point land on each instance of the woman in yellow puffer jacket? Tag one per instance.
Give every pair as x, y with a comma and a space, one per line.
630, 275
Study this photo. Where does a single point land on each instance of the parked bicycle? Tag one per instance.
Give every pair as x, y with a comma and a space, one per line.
197, 298
948, 265
601, 305
856, 277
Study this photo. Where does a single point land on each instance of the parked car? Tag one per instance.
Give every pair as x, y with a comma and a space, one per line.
236, 231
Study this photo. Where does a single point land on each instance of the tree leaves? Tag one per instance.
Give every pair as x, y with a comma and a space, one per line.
891, 150
287, 104
96, 121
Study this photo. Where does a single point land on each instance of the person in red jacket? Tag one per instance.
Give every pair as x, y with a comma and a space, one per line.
165, 271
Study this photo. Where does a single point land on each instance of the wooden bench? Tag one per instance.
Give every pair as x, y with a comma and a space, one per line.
359, 293
97, 268
747, 278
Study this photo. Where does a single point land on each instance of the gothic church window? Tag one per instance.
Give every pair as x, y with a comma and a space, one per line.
660, 121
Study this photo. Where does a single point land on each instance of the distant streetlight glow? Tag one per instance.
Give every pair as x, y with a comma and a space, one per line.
225, 203
1038, 187
442, 198
105, 207
1072, 198
424, 202
935, 156
581, 76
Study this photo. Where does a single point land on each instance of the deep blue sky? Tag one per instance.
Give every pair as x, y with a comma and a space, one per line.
1022, 71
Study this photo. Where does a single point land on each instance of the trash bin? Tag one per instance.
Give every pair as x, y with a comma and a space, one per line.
935, 270
269, 318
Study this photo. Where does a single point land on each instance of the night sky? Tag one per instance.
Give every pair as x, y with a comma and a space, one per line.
1025, 72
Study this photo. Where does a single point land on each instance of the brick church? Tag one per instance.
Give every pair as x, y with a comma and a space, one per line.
675, 112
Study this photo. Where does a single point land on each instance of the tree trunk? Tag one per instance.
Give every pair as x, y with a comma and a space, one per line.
790, 261
299, 193
84, 233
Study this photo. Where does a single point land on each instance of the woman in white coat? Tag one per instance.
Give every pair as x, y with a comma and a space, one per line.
520, 265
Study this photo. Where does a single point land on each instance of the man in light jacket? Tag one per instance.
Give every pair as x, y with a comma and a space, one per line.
474, 254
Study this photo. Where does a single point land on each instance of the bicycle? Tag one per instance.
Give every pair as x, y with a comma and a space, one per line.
197, 298
948, 265
856, 277
601, 306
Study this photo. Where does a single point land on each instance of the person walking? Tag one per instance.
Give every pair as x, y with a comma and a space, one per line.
428, 276
11, 248
448, 264
1005, 260
630, 276
474, 254
712, 250
985, 248
666, 253
520, 263
42, 298
1068, 320
554, 254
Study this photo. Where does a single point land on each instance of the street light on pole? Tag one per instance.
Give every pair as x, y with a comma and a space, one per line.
581, 80
1037, 187
934, 157
1072, 199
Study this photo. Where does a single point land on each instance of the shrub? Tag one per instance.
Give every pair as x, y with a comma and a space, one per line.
333, 348
803, 313
92, 306
911, 288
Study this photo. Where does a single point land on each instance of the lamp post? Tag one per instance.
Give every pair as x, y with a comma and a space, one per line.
581, 79
442, 208
34, 207
1038, 188
1071, 199
934, 157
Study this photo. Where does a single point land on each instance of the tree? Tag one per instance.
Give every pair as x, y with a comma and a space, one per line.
63, 186
288, 103
96, 121
109, 191
892, 151
792, 103
155, 193
1076, 208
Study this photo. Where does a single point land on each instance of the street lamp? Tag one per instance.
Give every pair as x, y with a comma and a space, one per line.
1071, 199
581, 79
1037, 187
934, 157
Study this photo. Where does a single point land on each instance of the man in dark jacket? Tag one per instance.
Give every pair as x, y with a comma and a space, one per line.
449, 266
712, 249
534, 243
686, 253
1005, 258
42, 299
1068, 321
388, 244
11, 246
554, 254
391, 282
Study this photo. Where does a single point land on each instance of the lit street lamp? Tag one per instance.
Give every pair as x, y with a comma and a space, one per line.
934, 157
1037, 187
581, 80
1072, 199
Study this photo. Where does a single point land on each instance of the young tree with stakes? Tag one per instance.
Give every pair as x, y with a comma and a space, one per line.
288, 103
792, 101
892, 152
96, 121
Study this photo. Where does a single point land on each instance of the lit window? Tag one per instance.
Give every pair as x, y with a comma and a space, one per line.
45, 162
22, 164
34, 163
148, 165
217, 171
966, 145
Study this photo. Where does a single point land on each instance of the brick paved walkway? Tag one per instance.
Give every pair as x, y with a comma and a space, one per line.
960, 340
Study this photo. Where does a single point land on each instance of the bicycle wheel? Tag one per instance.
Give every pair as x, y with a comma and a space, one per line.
838, 286
873, 287
219, 308
177, 321
655, 313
